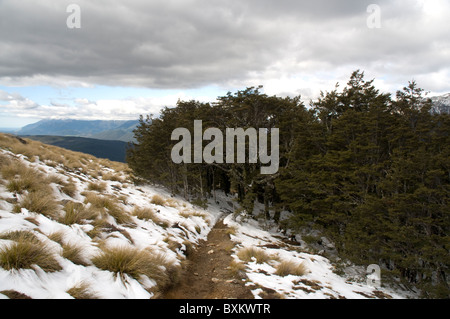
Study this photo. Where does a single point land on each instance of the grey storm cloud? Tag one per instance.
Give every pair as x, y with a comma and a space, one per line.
187, 44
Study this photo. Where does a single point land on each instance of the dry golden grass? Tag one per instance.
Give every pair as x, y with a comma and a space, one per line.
112, 176
99, 226
236, 268
56, 236
231, 230
53, 155
41, 202
121, 216
14, 294
82, 290
22, 178
145, 214
105, 205
14, 168
20, 235
74, 253
158, 200
286, 268
97, 187
32, 220
251, 253
4, 160
69, 188
24, 253
137, 263
186, 213
98, 201
171, 202
77, 213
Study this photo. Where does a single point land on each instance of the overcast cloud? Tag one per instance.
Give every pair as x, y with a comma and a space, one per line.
291, 47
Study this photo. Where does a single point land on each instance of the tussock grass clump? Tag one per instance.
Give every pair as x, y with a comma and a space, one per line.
4, 160
121, 217
14, 294
158, 200
98, 201
102, 228
17, 235
107, 206
76, 213
74, 253
247, 254
137, 263
21, 178
231, 230
21, 184
110, 176
286, 268
38, 196
69, 188
171, 202
41, 202
98, 187
145, 214
237, 268
57, 237
24, 253
82, 290
99, 226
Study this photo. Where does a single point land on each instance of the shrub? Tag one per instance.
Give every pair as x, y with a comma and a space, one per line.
286, 268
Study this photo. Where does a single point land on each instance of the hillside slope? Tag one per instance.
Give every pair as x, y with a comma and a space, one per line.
74, 226
93, 233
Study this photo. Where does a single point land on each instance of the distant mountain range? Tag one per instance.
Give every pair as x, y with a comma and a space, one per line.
112, 150
97, 129
441, 104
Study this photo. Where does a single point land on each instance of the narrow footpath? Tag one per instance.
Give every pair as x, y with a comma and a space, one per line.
207, 274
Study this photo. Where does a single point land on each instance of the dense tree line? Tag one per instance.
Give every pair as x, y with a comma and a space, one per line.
370, 170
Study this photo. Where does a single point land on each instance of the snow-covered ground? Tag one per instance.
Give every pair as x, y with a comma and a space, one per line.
178, 222
319, 280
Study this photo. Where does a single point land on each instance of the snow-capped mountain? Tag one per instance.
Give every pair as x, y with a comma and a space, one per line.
441, 104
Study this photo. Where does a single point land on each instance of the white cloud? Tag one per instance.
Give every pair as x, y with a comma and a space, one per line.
289, 46
82, 108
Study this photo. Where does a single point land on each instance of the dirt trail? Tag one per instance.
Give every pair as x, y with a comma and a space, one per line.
206, 275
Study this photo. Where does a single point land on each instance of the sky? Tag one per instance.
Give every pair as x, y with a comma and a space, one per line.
111, 59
